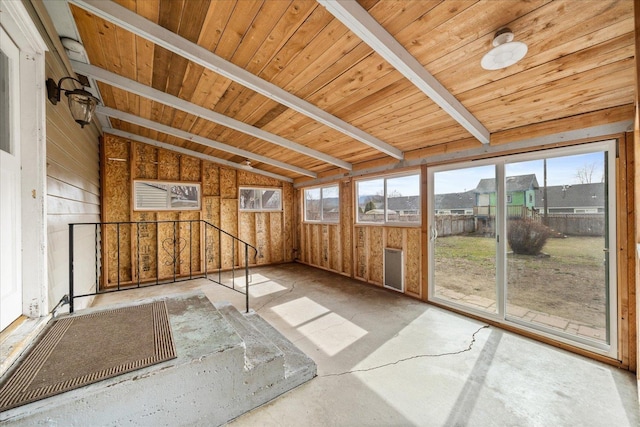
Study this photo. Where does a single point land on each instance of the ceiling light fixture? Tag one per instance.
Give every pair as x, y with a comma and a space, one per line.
506, 52
81, 102
246, 165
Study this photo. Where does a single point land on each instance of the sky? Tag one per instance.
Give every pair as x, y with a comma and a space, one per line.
560, 171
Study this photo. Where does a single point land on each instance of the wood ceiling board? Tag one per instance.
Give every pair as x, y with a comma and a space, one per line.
436, 36
200, 140
240, 20
580, 62
569, 96
195, 53
388, 47
289, 23
591, 119
467, 75
169, 114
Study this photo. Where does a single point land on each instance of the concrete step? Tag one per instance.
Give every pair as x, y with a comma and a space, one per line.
227, 364
296, 363
262, 358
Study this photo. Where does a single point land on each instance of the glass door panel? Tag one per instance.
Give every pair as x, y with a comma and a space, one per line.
463, 240
557, 222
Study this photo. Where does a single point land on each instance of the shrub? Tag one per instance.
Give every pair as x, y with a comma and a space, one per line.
527, 237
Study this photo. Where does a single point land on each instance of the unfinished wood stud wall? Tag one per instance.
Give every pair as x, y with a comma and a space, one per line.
143, 253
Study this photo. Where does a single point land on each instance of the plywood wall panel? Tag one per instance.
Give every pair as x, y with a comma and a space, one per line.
210, 179
262, 240
324, 246
315, 243
145, 161
168, 251
394, 238
116, 200
193, 245
189, 234
288, 222
361, 252
375, 261
247, 225
277, 238
168, 165
228, 185
251, 179
334, 245
229, 223
346, 227
413, 254
145, 246
189, 169
211, 214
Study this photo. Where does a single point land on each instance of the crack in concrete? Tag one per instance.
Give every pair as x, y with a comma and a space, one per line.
275, 298
417, 356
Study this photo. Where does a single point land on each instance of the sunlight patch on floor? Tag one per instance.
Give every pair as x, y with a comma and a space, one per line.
332, 333
329, 331
265, 288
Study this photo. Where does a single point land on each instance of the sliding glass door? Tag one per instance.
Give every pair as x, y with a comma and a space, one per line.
463, 238
525, 240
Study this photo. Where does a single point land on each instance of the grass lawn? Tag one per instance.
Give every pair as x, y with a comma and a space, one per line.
567, 280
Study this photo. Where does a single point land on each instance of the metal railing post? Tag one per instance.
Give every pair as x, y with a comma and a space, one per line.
246, 276
70, 268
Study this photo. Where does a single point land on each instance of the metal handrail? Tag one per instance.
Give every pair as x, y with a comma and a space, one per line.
100, 229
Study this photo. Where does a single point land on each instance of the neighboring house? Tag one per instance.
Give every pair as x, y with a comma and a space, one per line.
572, 199
404, 205
455, 203
520, 194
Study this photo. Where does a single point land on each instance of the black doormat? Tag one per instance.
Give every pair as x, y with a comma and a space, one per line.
79, 350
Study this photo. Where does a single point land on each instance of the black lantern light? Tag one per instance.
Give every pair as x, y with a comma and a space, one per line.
81, 103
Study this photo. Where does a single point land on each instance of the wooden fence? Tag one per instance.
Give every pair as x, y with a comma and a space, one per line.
449, 225
576, 224
566, 224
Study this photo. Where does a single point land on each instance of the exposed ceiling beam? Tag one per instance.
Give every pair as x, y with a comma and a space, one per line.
360, 22
142, 27
136, 120
188, 107
604, 131
186, 151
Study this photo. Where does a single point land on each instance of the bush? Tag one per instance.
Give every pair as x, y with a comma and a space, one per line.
527, 237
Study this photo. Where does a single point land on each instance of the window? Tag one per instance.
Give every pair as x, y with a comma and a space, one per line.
165, 196
389, 200
260, 199
322, 204
509, 199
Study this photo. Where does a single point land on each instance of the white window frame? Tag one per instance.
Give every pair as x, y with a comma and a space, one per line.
262, 190
170, 205
386, 221
609, 349
322, 220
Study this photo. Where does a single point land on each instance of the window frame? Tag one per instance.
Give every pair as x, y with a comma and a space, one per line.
386, 221
169, 205
322, 220
262, 190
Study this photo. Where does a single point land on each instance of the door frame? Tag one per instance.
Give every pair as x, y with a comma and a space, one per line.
18, 23
610, 349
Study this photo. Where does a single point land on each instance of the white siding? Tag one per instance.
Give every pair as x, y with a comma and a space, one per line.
73, 194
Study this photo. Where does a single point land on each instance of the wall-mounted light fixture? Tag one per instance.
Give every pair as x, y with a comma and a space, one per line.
81, 103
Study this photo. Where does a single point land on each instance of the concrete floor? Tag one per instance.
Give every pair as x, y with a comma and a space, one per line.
385, 359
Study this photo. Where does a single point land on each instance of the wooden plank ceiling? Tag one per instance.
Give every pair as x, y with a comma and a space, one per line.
580, 60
